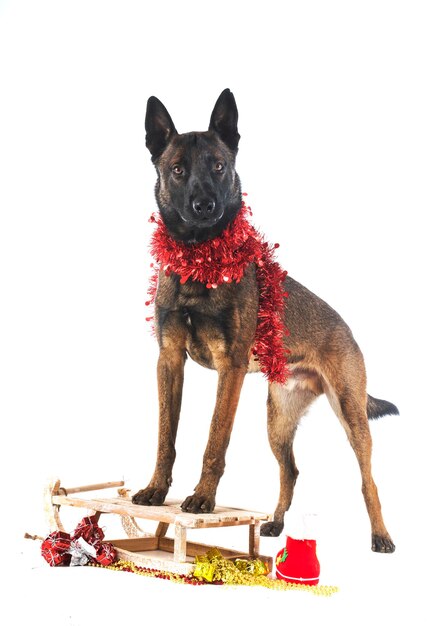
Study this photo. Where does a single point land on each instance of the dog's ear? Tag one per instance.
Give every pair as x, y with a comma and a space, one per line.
159, 127
224, 119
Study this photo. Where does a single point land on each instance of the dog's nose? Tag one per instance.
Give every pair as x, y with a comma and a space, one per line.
204, 208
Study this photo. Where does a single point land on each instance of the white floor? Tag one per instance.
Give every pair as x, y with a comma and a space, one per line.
375, 589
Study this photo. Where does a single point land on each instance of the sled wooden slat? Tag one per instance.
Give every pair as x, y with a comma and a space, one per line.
169, 513
156, 551
94, 487
196, 549
137, 544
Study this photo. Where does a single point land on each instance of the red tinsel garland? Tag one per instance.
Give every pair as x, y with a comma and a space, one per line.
224, 259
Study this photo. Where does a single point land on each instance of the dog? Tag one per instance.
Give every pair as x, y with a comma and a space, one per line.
198, 194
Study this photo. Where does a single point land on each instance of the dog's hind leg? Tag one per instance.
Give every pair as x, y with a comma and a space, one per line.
286, 404
349, 402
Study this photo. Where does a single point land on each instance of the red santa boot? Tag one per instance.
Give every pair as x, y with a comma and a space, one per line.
298, 562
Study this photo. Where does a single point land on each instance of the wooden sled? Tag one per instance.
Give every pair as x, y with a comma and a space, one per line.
156, 551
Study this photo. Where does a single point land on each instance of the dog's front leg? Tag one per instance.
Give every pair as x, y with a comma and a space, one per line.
170, 374
228, 393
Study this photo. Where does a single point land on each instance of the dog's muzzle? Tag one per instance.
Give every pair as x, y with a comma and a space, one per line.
204, 212
203, 209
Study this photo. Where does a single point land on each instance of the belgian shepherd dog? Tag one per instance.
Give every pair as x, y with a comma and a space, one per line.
198, 194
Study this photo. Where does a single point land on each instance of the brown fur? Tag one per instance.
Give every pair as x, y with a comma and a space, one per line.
328, 360
216, 328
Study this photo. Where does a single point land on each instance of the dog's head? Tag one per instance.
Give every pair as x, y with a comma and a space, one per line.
198, 190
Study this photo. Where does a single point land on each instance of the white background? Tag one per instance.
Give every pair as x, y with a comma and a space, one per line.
336, 103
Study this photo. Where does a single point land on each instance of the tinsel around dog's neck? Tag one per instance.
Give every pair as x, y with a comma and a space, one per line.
224, 260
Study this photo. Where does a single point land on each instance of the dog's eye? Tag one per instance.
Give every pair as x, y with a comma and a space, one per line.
177, 170
219, 167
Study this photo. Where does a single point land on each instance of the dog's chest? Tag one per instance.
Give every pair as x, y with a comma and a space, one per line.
213, 324
198, 344
209, 334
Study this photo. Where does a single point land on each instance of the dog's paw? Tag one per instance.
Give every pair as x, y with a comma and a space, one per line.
271, 529
198, 504
150, 496
382, 544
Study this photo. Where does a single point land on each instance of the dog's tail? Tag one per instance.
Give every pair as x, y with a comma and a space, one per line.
378, 408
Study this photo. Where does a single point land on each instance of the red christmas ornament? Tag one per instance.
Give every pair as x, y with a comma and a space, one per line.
298, 562
106, 554
223, 260
89, 530
59, 548
55, 548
